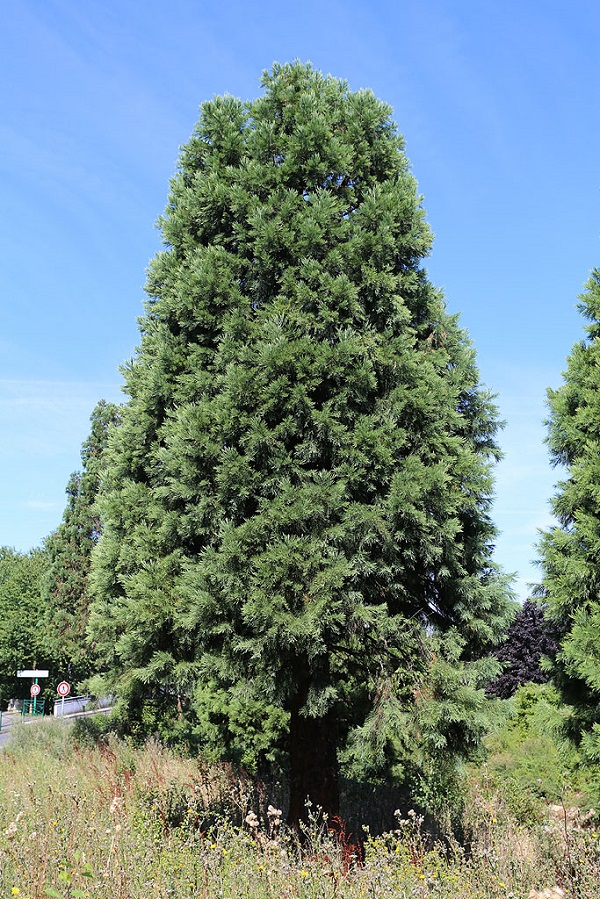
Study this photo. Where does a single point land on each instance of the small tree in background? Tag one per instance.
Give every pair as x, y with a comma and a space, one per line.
570, 551
296, 506
22, 634
65, 591
530, 638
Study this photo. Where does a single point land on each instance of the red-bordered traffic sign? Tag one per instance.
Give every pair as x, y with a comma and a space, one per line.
35, 689
63, 688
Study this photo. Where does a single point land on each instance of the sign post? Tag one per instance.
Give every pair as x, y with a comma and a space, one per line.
63, 690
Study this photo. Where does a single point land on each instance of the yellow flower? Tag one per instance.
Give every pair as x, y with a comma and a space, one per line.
500, 884
303, 873
15, 891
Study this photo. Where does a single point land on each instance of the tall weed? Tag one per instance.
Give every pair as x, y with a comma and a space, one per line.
118, 821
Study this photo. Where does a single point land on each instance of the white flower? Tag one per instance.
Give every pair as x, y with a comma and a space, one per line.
116, 805
274, 815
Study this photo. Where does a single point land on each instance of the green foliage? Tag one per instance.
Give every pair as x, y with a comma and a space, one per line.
22, 635
296, 504
69, 548
246, 732
422, 741
94, 730
570, 551
530, 761
69, 876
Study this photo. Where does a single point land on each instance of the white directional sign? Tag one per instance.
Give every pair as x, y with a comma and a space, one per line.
32, 672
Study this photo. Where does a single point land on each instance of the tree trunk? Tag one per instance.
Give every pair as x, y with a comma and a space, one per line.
313, 766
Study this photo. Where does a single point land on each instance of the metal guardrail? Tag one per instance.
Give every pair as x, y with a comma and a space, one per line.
70, 705
73, 704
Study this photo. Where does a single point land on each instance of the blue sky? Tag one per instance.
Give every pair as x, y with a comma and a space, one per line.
498, 107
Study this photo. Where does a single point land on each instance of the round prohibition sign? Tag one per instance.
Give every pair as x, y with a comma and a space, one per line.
63, 688
35, 689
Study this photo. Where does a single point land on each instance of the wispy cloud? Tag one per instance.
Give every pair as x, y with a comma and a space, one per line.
47, 418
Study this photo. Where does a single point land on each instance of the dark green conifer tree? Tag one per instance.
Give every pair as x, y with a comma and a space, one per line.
570, 551
65, 593
296, 505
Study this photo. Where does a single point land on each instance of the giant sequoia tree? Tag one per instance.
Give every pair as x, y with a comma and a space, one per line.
297, 500
570, 551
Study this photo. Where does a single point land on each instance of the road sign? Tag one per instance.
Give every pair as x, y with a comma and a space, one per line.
32, 672
63, 688
35, 689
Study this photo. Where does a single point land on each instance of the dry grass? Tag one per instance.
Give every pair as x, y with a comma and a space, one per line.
121, 823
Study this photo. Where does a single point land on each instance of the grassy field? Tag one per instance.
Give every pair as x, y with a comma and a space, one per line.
116, 822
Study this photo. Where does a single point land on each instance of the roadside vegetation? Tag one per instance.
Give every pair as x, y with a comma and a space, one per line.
114, 820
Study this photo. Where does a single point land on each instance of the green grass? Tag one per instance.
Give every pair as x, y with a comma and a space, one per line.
116, 822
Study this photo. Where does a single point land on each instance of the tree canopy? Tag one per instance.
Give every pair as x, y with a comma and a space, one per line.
296, 506
570, 551
530, 639
65, 591
22, 634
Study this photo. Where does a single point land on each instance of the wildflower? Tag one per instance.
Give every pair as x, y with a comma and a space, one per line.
116, 805
252, 820
303, 873
274, 815
11, 830
15, 891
